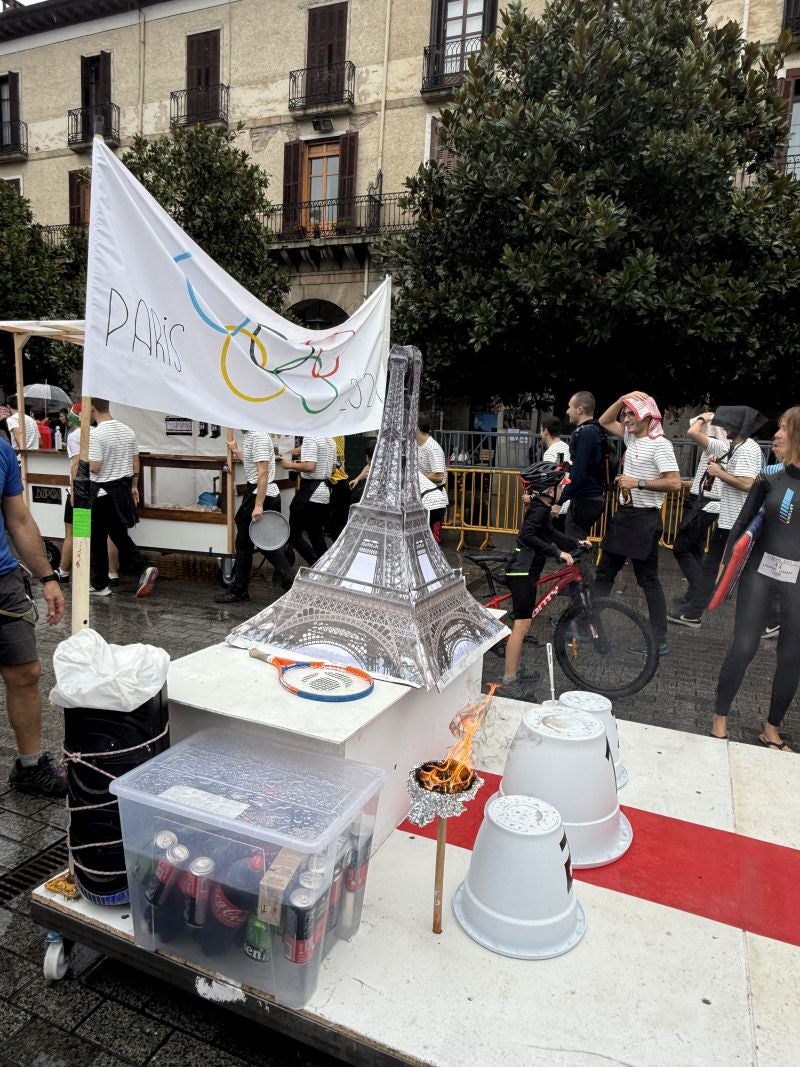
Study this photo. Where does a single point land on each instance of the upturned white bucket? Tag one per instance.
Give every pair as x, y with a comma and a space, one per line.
517, 898
564, 756
602, 709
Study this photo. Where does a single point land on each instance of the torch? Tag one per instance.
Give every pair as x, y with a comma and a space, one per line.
440, 788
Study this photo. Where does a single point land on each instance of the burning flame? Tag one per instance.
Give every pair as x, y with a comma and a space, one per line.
454, 773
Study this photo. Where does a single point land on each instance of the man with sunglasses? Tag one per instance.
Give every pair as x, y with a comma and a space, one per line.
650, 470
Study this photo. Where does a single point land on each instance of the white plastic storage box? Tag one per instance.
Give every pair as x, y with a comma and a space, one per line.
248, 858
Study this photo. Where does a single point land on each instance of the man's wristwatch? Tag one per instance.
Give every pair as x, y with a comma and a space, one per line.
50, 578
642, 483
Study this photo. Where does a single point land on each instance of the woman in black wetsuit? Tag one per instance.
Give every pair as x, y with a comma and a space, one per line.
771, 573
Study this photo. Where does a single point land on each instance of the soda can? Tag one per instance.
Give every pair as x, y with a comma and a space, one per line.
304, 925
313, 881
258, 940
318, 864
165, 874
163, 840
197, 886
337, 891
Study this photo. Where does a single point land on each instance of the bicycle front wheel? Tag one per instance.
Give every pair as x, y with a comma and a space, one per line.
607, 648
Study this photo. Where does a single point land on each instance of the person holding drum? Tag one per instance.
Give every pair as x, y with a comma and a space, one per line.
261, 494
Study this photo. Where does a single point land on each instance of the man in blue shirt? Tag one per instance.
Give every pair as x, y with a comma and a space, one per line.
34, 771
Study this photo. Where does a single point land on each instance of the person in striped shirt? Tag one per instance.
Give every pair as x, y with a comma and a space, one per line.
114, 470
650, 470
309, 508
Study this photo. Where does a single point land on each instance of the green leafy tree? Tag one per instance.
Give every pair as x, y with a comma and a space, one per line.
613, 217
30, 288
218, 197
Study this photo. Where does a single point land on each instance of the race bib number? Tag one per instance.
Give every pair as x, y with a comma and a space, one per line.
782, 570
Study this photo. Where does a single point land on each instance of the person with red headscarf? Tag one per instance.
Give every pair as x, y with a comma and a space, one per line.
650, 470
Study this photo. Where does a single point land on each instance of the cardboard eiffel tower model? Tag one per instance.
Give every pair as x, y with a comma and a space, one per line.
384, 597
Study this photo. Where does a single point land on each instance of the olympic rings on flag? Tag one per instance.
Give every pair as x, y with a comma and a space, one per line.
263, 364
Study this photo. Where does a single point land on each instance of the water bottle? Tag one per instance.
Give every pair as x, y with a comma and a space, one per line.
58, 442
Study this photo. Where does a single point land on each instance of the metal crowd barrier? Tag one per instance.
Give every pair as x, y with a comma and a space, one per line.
489, 501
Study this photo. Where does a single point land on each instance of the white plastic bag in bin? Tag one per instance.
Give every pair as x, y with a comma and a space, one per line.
93, 674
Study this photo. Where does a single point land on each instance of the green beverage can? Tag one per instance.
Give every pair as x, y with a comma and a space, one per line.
258, 940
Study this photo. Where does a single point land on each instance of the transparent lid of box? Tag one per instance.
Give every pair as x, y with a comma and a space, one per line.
248, 785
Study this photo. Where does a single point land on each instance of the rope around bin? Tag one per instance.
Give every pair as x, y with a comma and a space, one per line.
82, 757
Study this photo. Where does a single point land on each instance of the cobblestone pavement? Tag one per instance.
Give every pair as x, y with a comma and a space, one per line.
105, 1014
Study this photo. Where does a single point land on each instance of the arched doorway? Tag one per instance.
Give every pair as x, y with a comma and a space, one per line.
318, 314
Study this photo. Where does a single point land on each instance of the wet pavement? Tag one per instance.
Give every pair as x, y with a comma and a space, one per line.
105, 1014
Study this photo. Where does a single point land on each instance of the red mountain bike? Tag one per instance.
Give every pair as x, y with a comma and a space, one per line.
601, 644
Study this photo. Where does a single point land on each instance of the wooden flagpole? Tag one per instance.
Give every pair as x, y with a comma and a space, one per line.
20, 340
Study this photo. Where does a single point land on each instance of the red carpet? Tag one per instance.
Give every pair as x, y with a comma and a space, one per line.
722, 876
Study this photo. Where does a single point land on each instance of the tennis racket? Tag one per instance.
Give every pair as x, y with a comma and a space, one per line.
317, 680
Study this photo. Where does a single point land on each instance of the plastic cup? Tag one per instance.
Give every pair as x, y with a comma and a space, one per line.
601, 708
564, 756
517, 898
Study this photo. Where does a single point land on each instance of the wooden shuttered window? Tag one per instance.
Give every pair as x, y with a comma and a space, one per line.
104, 79
13, 101
293, 158
297, 186
326, 52
439, 12
439, 152
80, 196
327, 35
789, 89
203, 76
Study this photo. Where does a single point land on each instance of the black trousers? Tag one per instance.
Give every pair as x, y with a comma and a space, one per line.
690, 549
306, 529
646, 571
106, 522
756, 599
339, 507
582, 514
244, 546
703, 590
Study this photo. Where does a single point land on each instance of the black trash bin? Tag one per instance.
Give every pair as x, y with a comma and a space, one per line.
106, 743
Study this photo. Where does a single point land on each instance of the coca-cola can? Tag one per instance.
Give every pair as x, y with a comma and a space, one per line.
304, 925
165, 874
197, 888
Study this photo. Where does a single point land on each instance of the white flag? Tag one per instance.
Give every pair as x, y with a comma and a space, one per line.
168, 329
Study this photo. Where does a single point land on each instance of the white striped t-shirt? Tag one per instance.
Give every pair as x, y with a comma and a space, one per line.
745, 461
114, 444
322, 451
258, 448
430, 457
433, 496
713, 451
648, 458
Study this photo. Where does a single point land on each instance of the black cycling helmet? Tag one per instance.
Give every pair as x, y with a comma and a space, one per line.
540, 477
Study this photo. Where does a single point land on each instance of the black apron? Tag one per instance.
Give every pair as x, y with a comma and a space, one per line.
307, 489
631, 532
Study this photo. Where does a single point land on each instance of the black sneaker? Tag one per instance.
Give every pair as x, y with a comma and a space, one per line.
113, 582
231, 598
46, 779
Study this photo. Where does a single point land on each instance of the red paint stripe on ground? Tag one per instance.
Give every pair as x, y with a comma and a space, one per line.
727, 877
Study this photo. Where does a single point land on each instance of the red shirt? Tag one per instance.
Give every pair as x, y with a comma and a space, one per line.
45, 436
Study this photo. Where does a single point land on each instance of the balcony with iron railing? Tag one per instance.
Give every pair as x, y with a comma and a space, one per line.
361, 217
791, 17
207, 106
330, 86
83, 122
55, 236
13, 140
444, 65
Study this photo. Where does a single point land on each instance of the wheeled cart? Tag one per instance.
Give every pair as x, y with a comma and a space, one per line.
678, 963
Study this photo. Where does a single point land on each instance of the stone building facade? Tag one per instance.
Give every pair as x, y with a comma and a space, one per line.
339, 102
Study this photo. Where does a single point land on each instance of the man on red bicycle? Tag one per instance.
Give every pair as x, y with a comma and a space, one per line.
537, 539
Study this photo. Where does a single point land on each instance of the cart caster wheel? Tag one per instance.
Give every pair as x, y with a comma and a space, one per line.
56, 961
